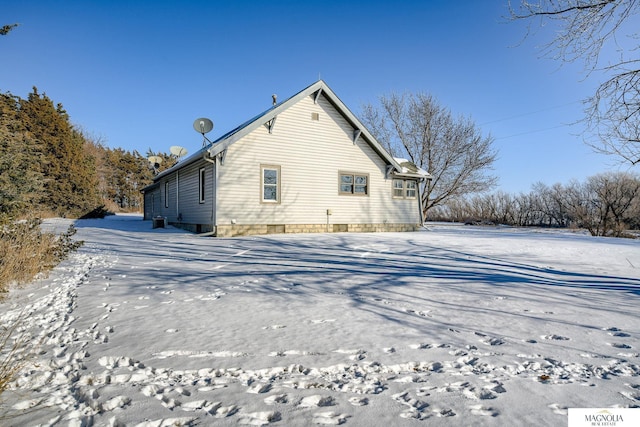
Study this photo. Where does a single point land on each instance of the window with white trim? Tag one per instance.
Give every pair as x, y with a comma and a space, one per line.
398, 188
410, 189
166, 194
201, 185
356, 184
405, 189
270, 184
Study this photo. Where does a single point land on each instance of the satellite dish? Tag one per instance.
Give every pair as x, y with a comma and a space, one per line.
178, 151
203, 125
155, 160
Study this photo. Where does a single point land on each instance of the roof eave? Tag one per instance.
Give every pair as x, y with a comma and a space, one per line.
419, 176
226, 140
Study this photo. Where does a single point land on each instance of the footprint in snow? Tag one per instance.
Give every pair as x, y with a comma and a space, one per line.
416, 408
483, 411
359, 401
634, 395
619, 334
555, 337
316, 401
259, 418
274, 327
320, 321
483, 394
329, 418
27, 404
493, 341
619, 345
443, 412
422, 346
276, 399
116, 402
558, 409
355, 355
259, 388
418, 312
194, 405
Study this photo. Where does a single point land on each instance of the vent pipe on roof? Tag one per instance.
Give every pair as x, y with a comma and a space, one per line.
274, 97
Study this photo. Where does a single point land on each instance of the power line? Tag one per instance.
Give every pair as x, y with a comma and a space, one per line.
529, 113
531, 131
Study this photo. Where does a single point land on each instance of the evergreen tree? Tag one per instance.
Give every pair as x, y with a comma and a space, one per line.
21, 181
71, 181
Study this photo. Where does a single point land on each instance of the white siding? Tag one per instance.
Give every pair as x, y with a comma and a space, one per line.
190, 208
311, 154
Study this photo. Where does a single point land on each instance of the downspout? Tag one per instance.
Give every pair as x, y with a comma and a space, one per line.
214, 203
178, 216
420, 202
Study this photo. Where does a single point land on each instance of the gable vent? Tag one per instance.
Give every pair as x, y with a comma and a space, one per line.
315, 116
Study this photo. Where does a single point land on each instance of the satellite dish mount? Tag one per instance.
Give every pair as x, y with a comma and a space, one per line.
203, 126
155, 162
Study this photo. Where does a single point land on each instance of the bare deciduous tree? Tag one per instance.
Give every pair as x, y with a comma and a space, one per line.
607, 204
587, 29
616, 194
452, 149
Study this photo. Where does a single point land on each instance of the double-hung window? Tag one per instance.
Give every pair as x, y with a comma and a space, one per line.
270, 184
354, 183
405, 189
398, 188
410, 189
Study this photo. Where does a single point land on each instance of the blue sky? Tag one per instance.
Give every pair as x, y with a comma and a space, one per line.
137, 73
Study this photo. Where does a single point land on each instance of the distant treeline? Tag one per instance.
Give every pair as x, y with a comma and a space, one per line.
50, 167
606, 204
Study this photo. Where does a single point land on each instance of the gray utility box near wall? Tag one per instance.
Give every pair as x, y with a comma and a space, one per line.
159, 222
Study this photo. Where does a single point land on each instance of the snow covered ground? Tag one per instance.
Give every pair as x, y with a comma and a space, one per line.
455, 325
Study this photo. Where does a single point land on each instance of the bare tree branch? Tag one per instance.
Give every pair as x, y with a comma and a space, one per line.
586, 30
451, 148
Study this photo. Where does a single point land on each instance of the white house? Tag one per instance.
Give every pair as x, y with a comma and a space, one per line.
306, 164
